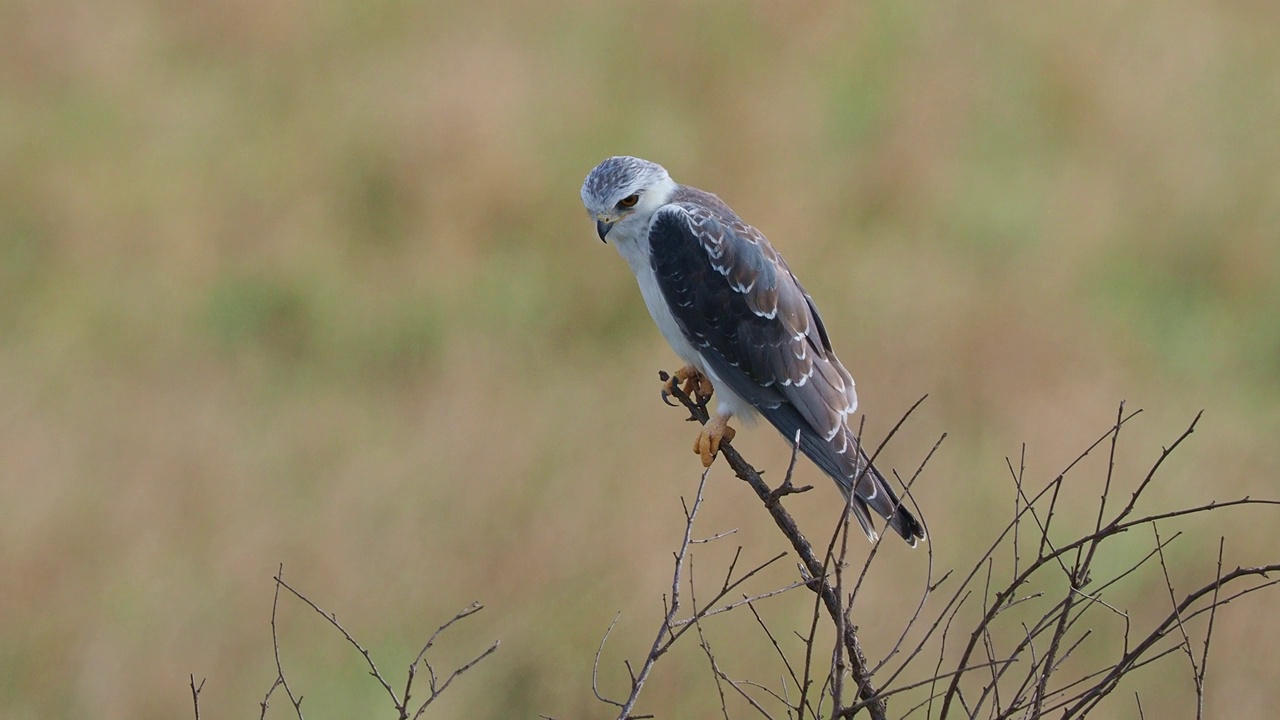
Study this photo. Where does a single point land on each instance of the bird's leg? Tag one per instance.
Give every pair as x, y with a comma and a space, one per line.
691, 382
716, 431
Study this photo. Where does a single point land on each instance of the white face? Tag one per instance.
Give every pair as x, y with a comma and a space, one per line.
622, 189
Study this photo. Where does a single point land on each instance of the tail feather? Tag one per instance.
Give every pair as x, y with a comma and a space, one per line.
873, 492
887, 504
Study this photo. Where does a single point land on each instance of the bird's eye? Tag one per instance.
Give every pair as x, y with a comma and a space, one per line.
629, 201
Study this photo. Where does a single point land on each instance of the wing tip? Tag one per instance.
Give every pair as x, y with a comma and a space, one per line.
908, 527
903, 523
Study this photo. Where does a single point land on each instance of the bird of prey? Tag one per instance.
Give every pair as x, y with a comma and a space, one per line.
730, 307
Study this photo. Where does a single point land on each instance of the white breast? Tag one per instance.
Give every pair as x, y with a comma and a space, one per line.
634, 248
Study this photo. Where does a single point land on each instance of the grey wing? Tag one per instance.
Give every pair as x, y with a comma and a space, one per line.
736, 300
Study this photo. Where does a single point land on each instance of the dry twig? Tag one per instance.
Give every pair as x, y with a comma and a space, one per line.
404, 708
1022, 678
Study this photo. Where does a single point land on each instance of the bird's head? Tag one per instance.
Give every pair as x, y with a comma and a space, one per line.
625, 190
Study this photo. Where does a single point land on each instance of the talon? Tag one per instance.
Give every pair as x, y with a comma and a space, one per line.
715, 432
692, 383
669, 387
703, 389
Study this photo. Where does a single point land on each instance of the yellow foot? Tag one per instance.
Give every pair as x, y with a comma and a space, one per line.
692, 383
716, 431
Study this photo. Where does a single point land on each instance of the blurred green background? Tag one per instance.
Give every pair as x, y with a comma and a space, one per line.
310, 283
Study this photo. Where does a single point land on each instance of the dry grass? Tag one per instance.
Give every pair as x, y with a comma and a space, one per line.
275, 278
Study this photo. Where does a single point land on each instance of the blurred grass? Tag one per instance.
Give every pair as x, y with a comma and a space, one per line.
310, 283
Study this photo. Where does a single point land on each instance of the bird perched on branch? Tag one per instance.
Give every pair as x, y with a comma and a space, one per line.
730, 307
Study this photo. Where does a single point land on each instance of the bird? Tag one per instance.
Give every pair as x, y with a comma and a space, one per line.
730, 307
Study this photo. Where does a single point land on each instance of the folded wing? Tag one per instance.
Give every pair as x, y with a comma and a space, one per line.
738, 303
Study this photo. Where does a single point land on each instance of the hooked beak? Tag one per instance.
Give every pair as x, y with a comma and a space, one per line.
602, 228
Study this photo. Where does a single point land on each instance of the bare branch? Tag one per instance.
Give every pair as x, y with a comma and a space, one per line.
661, 642
333, 620
809, 559
435, 687
280, 680
402, 707
994, 674
595, 667
195, 694
1208, 633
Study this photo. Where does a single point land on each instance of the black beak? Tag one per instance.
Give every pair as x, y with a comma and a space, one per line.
602, 229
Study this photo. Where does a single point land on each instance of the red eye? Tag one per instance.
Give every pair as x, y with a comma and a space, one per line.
629, 201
